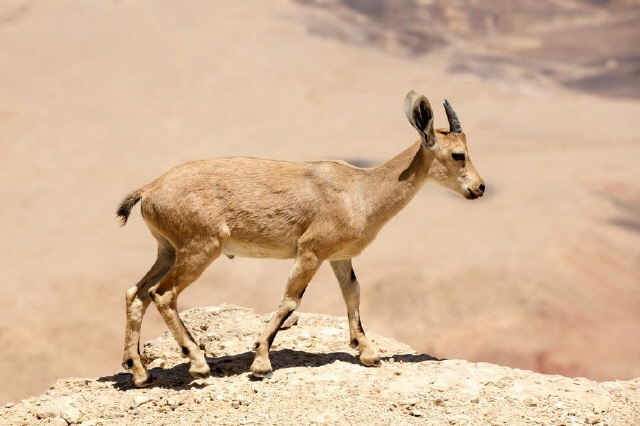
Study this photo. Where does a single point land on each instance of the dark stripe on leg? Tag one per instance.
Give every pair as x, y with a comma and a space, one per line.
353, 275
273, 335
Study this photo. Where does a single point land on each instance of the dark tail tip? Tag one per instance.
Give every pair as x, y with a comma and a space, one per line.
126, 205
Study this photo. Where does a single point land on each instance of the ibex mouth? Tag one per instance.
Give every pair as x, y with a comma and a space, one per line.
472, 195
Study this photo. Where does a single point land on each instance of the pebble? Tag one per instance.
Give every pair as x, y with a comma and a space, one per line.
601, 405
71, 414
416, 413
174, 402
142, 399
593, 420
58, 421
157, 363
304, 336
48, 410
410, 401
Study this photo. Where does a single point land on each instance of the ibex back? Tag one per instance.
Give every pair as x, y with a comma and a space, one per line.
310, 212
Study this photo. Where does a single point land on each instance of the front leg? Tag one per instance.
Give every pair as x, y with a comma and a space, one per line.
304, 268
350, 287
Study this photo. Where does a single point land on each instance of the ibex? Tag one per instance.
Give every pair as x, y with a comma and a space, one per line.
307, 211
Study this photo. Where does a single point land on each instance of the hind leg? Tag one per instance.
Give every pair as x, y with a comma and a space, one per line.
137, 302
191, 261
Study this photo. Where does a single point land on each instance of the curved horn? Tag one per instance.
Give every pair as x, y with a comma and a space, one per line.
454, 123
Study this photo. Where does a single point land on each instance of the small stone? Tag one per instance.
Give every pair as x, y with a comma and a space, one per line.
9, 405
416, 413
304, 336
157, 363
140, 400
58, 421
174, 402
475, 400
601, 405
531, 402
71, 414
48, 410
410, 401
593, 420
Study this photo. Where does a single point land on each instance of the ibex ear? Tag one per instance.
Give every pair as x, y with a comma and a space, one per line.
420, 115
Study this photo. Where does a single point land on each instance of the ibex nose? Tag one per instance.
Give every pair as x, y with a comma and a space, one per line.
481, 187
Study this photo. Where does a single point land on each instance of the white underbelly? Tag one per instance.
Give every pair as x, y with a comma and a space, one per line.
248, 249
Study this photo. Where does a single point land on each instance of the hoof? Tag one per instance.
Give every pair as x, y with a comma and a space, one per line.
200, 373
261, 368
262, 376
143, 382
370, 358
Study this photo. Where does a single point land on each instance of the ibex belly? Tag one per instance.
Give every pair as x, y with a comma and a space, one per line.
242, 248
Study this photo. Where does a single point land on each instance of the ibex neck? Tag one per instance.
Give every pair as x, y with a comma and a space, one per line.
394, 183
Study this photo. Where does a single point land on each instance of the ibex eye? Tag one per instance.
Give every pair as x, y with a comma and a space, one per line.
458, 156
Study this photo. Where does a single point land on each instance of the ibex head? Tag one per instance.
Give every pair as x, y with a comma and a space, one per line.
451, 166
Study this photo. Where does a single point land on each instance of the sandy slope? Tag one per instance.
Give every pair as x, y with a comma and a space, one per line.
99, 98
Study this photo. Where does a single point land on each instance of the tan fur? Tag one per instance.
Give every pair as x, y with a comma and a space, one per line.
307, 211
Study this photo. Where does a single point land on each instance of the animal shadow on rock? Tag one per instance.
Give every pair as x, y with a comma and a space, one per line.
178, 377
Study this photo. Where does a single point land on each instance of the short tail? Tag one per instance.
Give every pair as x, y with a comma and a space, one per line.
127, 204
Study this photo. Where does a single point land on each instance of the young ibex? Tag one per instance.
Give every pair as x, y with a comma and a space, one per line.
307, 211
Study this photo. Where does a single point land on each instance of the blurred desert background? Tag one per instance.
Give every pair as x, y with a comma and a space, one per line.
543, 273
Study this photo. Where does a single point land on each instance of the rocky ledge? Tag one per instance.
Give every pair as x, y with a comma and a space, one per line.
317, 381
